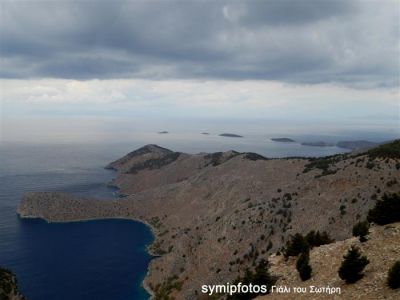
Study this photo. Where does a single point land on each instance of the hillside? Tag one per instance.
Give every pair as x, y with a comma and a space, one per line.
382, 249
216, 214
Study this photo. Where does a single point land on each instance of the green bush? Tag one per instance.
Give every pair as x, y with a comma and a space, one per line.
316, 239
361, 229
303, 266
296, 245
389, 150
353, 265
260, 276
394, 276
386, 210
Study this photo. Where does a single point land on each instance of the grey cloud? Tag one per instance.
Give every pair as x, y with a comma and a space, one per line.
309, 41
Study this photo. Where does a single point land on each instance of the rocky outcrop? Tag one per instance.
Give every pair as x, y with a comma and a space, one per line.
214, 215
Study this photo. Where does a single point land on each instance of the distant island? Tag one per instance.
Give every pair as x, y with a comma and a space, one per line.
231, 135
283, 140
318, 144
163, 132
205, 133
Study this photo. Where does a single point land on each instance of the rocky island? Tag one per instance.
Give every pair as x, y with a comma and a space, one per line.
282, 140
215, 215
231, 135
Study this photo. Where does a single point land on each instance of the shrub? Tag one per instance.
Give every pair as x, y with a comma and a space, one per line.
386, 210
296, 245
352, 265
316, 239
394, 276
361, 229
261, 276
303, 266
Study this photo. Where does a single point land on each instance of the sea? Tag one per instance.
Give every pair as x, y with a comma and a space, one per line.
91, 260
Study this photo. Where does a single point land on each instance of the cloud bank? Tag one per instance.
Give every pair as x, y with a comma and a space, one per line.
354, 43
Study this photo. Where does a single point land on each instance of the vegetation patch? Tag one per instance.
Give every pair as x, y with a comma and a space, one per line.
361, 229
8, 284
389, 150
260, 276
394, 276
325, 164
218, 158
298, 244
254, 156
303, 266
155, 163
162, 291
353, 265
386, 210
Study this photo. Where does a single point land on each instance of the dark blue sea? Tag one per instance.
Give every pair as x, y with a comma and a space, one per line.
99, 260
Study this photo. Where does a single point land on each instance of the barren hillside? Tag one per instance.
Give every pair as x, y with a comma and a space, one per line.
216, 214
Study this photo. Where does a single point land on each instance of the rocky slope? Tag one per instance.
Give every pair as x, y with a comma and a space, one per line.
216, 214
382, 249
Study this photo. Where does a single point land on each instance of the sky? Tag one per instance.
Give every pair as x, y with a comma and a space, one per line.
152, 63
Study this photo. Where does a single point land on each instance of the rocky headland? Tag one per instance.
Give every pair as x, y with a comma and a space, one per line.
214, 215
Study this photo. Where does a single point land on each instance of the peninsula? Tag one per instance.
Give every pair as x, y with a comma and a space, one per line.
215, 215
317, 144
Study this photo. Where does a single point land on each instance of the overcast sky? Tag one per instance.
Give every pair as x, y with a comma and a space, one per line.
308, 59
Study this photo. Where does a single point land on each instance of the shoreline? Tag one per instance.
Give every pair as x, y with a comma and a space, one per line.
111, 185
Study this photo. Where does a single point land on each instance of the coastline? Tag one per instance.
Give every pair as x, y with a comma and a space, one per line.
111, 185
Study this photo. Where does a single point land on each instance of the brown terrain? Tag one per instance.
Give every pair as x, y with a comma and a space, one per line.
382, 250
213, 215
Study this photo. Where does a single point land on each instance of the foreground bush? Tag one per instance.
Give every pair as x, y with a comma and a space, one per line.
296, 245
386, 210
303, 266
361, 229
394, 276
353, 265
260, 276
